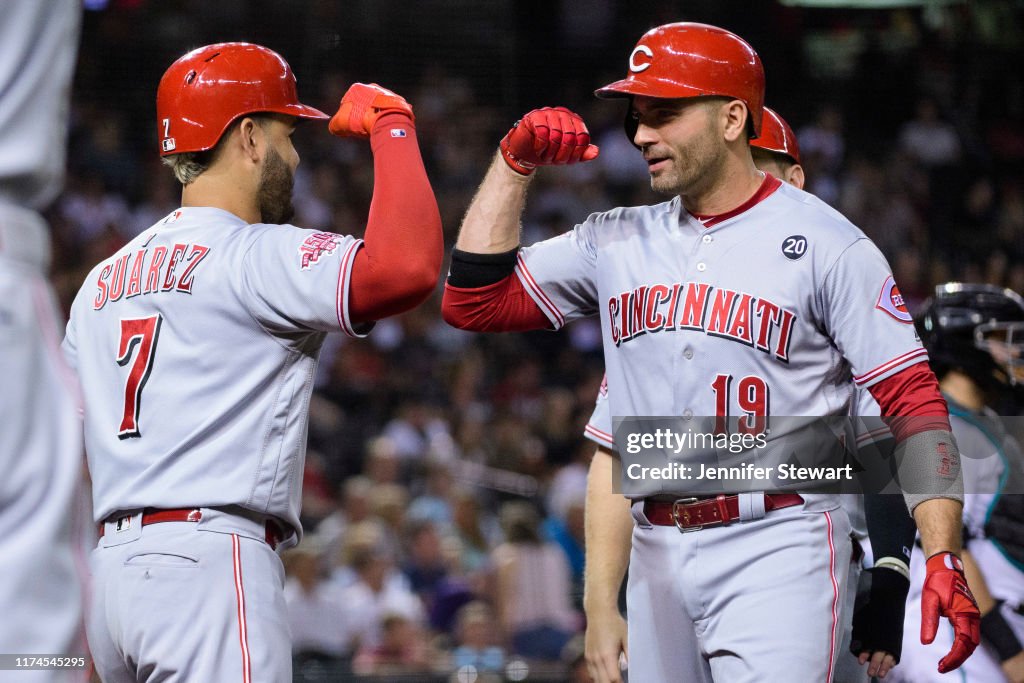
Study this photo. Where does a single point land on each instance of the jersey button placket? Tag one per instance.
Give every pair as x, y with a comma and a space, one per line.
705, 239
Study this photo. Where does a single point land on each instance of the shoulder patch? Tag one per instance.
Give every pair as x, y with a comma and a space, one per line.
794, 247
891, 301
315, 246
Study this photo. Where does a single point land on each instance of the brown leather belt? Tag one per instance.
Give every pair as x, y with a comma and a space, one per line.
693, 514
274, 533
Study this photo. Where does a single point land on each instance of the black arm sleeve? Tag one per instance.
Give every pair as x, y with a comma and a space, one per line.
469, 270
1000, 634
890, 527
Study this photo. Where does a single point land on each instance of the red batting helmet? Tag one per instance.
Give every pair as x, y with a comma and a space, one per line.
208, 88
777, 136
693, 60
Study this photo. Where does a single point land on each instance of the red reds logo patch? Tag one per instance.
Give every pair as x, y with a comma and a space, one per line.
891, 301
316, 245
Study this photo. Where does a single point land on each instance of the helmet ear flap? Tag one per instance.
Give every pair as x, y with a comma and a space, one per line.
631, 124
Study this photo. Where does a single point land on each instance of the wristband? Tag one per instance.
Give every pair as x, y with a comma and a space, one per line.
1000, 634
896, 565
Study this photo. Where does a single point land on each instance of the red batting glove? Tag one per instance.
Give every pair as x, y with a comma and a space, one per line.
946, 594
547, 137
362, 105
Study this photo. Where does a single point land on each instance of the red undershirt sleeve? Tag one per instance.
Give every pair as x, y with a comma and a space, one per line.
400, 262
504, 306
911, 402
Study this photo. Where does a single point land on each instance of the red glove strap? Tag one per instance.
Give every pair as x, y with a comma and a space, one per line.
515, 163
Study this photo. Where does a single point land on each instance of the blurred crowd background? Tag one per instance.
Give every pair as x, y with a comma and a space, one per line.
446, 471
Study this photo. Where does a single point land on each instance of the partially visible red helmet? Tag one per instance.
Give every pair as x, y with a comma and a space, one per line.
208, 88
693, 60
777, 136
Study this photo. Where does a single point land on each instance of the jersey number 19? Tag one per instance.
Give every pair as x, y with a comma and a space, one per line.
752, 397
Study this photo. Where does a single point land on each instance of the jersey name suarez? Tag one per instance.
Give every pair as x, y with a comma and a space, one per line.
147, 271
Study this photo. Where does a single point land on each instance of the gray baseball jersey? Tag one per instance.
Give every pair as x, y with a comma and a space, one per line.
196, 344
41, 548
38, 45
763, 311
766, 310
867, 415
41, 492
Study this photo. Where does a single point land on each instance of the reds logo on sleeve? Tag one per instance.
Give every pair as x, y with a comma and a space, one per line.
891, 301
315, 246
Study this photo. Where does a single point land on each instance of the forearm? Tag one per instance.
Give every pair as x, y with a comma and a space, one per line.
491, 224
400, 262
939, 521
608, 533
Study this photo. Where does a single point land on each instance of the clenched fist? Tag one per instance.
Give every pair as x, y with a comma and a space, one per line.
946, 594
362, 105
547, 137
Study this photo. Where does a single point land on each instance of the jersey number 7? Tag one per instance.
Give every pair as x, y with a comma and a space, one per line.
138, 338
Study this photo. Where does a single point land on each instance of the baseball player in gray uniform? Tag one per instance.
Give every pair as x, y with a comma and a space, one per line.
975, 338
42, 565
740, 295
879, 621
196, 346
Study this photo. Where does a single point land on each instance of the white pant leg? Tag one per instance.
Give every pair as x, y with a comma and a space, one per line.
663, 645
179, 604
41, 564
773, 596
